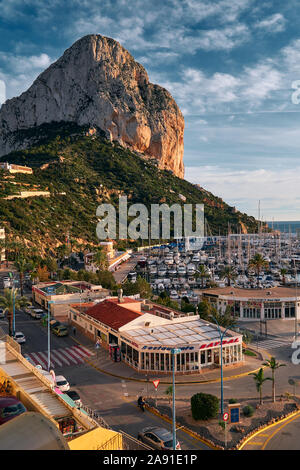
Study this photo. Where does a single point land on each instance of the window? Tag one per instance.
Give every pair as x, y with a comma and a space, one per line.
209, 359
289, 310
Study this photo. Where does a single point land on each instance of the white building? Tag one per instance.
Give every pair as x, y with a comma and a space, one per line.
256, 304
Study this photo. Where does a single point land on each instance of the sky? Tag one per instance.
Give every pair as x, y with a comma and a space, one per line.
233, 67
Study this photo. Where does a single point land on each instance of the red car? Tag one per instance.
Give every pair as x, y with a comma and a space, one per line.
10, 407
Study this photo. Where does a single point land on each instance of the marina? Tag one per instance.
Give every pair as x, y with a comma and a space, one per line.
182, 269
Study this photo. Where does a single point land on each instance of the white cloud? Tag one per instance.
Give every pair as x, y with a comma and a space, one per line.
21, 71
274, 24
277, 189
198, 92
261, 80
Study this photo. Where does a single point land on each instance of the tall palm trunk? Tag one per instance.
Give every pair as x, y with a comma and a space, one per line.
21, 283
260, 395
10, 323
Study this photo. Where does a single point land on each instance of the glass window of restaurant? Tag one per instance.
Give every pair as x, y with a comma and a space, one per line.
184, 361
289, 310
251, 312
272, 310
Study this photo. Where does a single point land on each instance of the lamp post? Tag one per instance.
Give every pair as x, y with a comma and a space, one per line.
14, 303
49, 356
296, 303
173, 352
221, 339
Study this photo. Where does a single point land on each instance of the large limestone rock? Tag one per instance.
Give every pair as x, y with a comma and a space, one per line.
97, 82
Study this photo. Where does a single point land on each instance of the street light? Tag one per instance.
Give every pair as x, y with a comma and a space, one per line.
296, 303
49, 359
173, 352
14, 302
221, 339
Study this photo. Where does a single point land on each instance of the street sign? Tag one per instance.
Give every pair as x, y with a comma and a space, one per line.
225, 416
155, 383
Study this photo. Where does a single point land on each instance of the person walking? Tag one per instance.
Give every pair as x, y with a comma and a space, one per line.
97, 346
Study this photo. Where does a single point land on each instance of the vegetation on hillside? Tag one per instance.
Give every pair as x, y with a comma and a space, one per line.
80, 172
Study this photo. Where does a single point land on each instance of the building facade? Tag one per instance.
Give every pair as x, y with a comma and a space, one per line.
12, 168
58, 296
145, 341
256, 304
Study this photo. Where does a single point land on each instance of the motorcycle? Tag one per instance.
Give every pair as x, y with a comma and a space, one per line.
141, 404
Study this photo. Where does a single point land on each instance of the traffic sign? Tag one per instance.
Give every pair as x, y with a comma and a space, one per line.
155, 383
225, 416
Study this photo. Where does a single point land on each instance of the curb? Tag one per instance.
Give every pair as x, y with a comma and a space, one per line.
268, 426
184, 429
208, 381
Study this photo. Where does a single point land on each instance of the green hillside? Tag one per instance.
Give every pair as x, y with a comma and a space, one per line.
80, 172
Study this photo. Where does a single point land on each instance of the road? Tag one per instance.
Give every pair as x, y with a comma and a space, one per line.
125, 268
281, 436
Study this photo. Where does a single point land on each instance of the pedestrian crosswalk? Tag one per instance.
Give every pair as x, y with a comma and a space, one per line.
271, 344
61, 357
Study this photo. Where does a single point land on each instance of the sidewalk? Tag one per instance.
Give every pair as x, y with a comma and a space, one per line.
104, 364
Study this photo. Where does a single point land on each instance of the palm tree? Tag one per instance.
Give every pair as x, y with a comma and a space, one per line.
259, 380
283, 273
273, 364
100, 260
8, 302
203, 273
169, 392
228, 272
22, 266
51, 265
258, 262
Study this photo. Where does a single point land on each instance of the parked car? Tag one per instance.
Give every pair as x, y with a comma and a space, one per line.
62, 383
29, 308
36, 313
19, 337
75, 397
54, 323
158, 438
60, 330
6, 283
10, 407
46, 374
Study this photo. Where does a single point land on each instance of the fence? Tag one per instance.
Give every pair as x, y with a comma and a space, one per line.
129, 442
96, 416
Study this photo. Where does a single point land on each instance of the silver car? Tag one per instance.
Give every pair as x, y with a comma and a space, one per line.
158, 438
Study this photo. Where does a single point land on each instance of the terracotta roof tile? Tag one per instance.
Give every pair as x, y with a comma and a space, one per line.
111, 314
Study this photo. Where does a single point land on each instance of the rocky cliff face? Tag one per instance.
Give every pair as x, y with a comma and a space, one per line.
97, 82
